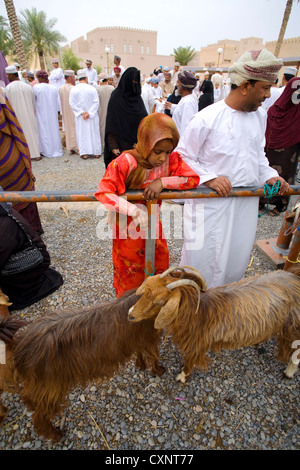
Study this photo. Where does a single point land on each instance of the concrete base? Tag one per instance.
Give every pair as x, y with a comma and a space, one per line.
274, 254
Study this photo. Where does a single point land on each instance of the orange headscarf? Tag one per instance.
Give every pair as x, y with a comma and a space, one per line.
152, 129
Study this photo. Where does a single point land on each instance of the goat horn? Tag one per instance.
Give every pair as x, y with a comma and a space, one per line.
168, 271
180, 268
186, 282
199, 275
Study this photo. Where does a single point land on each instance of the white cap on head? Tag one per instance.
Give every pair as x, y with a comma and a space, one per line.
69, 73
54, 61
11, 69
290, 71
102, 76
81, 74
16, 64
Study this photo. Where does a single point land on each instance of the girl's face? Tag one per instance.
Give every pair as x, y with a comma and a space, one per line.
160, 152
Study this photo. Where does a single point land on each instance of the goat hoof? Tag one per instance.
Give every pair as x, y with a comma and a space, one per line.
2, 418
159, 370
181, 377
53, 435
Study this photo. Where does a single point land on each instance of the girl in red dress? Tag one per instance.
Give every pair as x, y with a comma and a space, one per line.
152, 165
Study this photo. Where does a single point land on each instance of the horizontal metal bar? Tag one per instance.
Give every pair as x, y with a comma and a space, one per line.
87, 195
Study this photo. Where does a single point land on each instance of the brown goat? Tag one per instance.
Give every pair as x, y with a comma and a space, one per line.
71, 348
240, 314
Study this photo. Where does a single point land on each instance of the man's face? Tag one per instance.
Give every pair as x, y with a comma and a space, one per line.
88, 65
10, 77
55, 65
255, 95
179, 87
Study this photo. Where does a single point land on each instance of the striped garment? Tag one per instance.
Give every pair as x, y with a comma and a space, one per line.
15, 164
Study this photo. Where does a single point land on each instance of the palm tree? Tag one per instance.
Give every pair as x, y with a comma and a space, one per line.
6, 40
15, 30
38, 35
286, 17
69, 60
184, 55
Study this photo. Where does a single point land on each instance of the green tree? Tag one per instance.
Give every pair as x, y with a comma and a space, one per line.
39, 37
184, 55
285, 20
69, 60
6, 40
15, 30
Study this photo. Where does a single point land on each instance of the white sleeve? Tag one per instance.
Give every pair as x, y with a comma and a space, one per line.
189, 147
266, 172
94, 108
74, 104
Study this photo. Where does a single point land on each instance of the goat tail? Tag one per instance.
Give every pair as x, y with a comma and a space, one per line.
9, 326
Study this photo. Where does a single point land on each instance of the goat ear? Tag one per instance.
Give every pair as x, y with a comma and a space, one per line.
140, 290
168, 311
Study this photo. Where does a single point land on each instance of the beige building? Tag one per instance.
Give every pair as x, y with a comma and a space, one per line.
225, 52
136, 47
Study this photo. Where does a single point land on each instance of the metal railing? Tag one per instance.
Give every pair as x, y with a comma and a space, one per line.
135, 195
132, 195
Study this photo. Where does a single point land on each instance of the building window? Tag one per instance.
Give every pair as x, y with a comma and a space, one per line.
111, 47
142, 49
148, 49
130, 48
125, 47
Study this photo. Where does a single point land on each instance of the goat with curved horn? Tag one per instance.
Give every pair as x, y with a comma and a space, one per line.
233, 316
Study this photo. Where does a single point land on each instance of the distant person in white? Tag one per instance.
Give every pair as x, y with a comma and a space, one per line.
47, 109
147, 96
117, 62
21, 97
56, 76
224, 143
183, 112
275, 93
84, 102
288, 74
91, 73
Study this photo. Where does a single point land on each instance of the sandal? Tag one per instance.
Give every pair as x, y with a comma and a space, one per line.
84, 157
274, 212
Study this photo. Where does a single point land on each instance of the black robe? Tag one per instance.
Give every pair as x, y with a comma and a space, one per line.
125, 111
26, 288
207, 98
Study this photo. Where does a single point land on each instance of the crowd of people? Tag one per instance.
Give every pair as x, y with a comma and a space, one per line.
172, 129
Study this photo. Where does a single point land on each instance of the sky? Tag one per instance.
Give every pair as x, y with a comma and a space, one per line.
195, 23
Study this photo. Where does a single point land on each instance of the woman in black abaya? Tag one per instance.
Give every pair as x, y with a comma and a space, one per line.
207, 97
124, 112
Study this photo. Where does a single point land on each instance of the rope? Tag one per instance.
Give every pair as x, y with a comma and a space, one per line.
270, 192
290, 261
148, 273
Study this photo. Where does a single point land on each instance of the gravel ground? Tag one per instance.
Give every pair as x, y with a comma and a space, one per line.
242, 402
